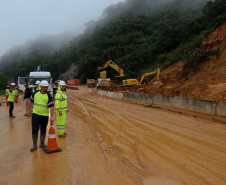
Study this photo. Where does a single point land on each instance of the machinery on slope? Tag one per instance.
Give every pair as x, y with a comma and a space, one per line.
143, 80
119, 81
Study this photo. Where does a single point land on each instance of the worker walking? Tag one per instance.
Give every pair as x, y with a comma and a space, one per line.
16, 94
61, 108
11, 100
43, 101
7, 94
27, 95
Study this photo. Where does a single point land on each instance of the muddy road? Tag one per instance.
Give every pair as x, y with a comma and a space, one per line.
111, 142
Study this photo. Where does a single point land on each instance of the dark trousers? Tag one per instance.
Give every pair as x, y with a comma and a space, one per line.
11, 107
39, 121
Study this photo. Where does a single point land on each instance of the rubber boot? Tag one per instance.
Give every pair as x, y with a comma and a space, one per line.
42, 140
34, 138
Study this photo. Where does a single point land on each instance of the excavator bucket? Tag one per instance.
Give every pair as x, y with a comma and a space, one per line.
99, 69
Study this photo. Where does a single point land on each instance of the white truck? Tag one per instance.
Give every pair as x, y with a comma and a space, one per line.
21, 83
41, 75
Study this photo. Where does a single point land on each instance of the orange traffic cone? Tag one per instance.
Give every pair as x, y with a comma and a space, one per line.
52, 143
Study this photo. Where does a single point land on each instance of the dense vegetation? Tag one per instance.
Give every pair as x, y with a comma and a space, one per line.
3, 82
138, 35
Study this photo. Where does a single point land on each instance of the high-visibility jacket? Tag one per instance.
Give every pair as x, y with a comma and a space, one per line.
61, 101
39, 87
16, 92
42, 103
11, 97
7, 91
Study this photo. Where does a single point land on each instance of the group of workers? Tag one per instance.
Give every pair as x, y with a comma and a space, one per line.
39, 104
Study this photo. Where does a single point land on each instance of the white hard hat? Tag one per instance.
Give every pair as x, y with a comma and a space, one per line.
37, 82
44, 83
13, 84
61, 83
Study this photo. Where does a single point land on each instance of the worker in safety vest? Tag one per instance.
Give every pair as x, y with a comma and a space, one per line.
37, 83
43, 101
11, 100
16, 94
61, 108
7, 94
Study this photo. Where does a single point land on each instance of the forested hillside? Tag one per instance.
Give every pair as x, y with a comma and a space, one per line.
138, 35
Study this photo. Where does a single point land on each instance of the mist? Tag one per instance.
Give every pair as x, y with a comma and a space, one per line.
26, 20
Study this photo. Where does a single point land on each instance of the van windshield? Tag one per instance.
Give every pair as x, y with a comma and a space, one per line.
33, 80
22, 81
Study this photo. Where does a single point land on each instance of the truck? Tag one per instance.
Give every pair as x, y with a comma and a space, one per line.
91, 83
42, 75
21, 83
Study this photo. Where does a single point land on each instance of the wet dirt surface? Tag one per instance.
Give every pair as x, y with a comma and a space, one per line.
112, 142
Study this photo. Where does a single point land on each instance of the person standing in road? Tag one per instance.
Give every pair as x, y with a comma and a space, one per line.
27, 95
61, 108
11, 100
7, 94
37, 83
16, 94
43, 102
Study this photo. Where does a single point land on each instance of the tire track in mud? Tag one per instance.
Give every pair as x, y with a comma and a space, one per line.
84, 115
175, 137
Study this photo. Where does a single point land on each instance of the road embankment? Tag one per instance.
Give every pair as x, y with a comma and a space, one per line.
213, 108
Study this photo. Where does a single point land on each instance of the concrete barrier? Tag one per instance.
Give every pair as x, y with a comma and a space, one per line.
198, 105
138, 97
221, 108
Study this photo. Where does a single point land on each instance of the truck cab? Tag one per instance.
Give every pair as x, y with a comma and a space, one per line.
40, 75
21, 83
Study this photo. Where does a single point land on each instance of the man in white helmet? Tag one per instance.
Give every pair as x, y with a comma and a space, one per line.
11, 100
37, 83
61, 108
43, 101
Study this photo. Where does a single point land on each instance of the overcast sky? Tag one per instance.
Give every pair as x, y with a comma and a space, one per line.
23, 20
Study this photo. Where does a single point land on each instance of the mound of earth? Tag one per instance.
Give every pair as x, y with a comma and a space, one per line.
207, 82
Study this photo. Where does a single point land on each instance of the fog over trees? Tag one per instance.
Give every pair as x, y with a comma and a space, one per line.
138, 35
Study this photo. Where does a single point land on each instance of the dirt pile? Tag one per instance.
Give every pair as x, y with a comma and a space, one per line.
207, 82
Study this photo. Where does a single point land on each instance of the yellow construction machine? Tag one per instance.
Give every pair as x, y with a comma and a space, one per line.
119, 81
143, 80
128, 82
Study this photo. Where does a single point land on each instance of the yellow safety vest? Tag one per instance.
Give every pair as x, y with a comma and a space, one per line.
61, 101
11, 96
41, 104
16, 92
7, 91
39, 87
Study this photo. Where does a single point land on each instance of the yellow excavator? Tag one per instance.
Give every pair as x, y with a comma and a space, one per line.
120, 81
127, 82
143, 80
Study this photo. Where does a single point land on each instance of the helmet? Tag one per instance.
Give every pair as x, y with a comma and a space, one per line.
61, 83
37, 82
16, 87
13, 84
7, 86
25, 84
44, 83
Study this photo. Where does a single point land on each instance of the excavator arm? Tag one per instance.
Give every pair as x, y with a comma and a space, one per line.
150, 73
112, 65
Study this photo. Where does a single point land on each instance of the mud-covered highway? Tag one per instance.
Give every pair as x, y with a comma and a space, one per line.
111, 142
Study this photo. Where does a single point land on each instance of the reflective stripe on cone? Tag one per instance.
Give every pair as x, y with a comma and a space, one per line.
52, 143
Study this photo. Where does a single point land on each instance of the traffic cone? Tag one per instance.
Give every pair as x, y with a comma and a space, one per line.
52, 143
